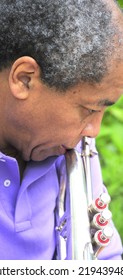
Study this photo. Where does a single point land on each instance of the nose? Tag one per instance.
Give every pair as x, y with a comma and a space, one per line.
92, 128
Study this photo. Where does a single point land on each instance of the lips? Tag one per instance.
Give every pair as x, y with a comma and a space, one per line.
62, 150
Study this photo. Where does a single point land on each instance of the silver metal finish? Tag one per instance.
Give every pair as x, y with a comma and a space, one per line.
80, 225
76, 186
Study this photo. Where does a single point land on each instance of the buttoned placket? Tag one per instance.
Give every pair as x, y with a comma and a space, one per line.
23, 218
19, 208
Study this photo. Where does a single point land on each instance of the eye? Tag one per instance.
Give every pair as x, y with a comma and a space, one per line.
92, 111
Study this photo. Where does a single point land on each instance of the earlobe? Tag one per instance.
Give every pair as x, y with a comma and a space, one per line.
22, 76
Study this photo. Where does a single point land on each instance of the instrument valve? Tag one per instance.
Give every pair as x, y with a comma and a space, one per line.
100, 203
102, 237
101, 220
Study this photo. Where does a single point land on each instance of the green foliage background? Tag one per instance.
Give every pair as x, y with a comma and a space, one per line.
110, 147
120, 2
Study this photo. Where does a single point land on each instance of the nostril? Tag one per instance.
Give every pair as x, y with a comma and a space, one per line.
91, 131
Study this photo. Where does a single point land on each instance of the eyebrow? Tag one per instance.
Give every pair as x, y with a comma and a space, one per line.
105, 102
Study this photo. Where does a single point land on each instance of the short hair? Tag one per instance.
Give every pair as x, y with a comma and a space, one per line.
71, 40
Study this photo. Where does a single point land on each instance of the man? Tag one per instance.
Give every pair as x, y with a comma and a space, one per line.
61, 65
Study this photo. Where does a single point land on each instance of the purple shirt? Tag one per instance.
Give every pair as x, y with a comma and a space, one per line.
27, 219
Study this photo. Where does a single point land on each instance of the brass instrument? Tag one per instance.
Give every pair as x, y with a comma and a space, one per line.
76, 197
79, 184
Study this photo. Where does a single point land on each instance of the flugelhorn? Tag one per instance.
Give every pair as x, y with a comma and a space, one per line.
75, 197
80, 192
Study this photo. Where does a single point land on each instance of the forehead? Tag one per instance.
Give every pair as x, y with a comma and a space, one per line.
104, 93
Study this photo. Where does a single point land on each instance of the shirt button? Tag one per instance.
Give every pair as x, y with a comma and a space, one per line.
7, 183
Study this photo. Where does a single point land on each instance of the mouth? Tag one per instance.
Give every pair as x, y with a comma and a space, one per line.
62, 150
67, 149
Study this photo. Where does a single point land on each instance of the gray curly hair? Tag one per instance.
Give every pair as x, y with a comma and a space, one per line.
71, 40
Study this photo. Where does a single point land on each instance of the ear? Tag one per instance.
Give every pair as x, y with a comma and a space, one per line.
23, 75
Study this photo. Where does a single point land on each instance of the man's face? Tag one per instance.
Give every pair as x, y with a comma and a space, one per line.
51, 122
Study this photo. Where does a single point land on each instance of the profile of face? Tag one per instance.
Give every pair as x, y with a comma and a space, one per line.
43, 122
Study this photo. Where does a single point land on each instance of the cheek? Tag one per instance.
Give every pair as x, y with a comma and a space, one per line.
58, 124
71, 125
64, 123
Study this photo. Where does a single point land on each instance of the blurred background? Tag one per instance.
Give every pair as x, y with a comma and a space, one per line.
110, 147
